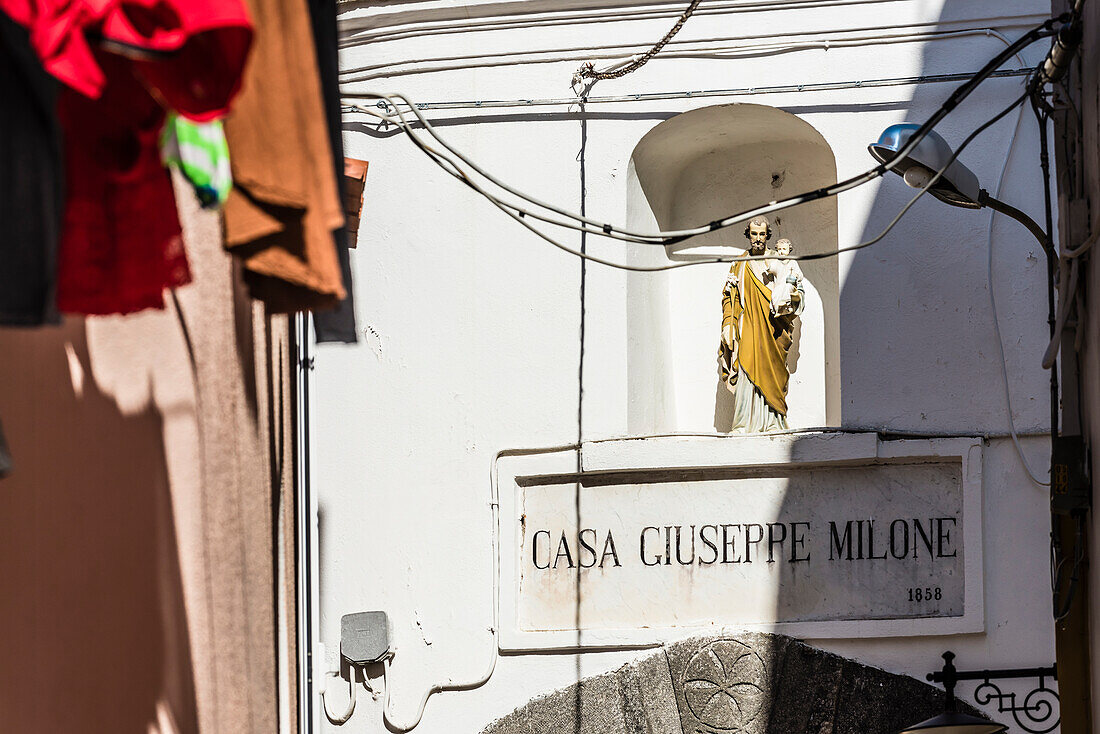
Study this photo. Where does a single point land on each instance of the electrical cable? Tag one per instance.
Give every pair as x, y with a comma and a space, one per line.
1070, 254
702, 48
450, 684
993, 306
342, 717
1042, 110
608, 230
673, 237
435, 155
1061, 611
360, 30
605, 230
518, 214
1068, 282
397, 117
697, 94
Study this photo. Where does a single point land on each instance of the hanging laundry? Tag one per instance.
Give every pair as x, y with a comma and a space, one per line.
191, 51
199, 151
120, 244
337, 325
31, 185
284, 206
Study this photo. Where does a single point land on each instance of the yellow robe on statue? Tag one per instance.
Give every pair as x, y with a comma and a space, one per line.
754, 346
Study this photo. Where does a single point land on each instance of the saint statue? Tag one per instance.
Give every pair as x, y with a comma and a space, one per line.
760, 304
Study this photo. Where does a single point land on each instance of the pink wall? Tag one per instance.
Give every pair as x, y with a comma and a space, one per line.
138, 550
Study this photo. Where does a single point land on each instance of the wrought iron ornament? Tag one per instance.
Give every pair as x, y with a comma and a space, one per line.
1038, 714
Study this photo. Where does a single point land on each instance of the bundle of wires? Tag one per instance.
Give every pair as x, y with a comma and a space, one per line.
395, 108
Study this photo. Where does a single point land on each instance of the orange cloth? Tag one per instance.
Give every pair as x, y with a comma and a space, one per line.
760, 342
284, 205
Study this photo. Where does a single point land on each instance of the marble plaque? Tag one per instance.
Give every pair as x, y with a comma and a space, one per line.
817, 548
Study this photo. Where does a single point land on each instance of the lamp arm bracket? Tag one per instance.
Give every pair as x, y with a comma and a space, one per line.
985, 199
1037, 713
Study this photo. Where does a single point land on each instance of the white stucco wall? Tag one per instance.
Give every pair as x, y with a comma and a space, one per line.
471, 328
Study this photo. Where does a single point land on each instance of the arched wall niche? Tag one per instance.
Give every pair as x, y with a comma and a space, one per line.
692, 169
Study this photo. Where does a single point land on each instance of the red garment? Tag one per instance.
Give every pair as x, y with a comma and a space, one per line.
121, 242
191, 51
120, 237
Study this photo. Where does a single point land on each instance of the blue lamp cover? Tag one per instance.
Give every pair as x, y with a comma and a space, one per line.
957, 186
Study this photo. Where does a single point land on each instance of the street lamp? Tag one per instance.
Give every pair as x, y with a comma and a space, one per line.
957, 185
951, 721
1035, 714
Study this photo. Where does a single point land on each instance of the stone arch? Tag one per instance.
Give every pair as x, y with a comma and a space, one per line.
751, 683
694, 168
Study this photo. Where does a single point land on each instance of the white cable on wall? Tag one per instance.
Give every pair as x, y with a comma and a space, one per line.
594, 226
1068, 278
520, 214
670, 237
700, 94
706, 48
993, 307
360, 31
451, 684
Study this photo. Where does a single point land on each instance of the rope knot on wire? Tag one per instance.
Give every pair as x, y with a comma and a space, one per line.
588, 69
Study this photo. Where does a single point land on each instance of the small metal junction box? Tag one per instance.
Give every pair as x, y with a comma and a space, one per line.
364, 637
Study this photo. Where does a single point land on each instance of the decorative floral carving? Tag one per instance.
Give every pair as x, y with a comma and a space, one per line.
722, 685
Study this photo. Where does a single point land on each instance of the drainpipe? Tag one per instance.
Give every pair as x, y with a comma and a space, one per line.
305, 526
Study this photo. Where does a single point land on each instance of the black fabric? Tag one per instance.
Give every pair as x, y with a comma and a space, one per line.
31, 183
337, 325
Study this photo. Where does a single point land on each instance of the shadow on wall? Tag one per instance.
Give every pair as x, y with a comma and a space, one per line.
908, 332
916, 348
916, 331
92, 605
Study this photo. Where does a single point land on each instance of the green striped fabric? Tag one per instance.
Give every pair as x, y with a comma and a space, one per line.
199, 151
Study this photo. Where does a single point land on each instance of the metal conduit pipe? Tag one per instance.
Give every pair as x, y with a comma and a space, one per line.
374, 29
376, 16
581, 53
304, 522
736, 92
